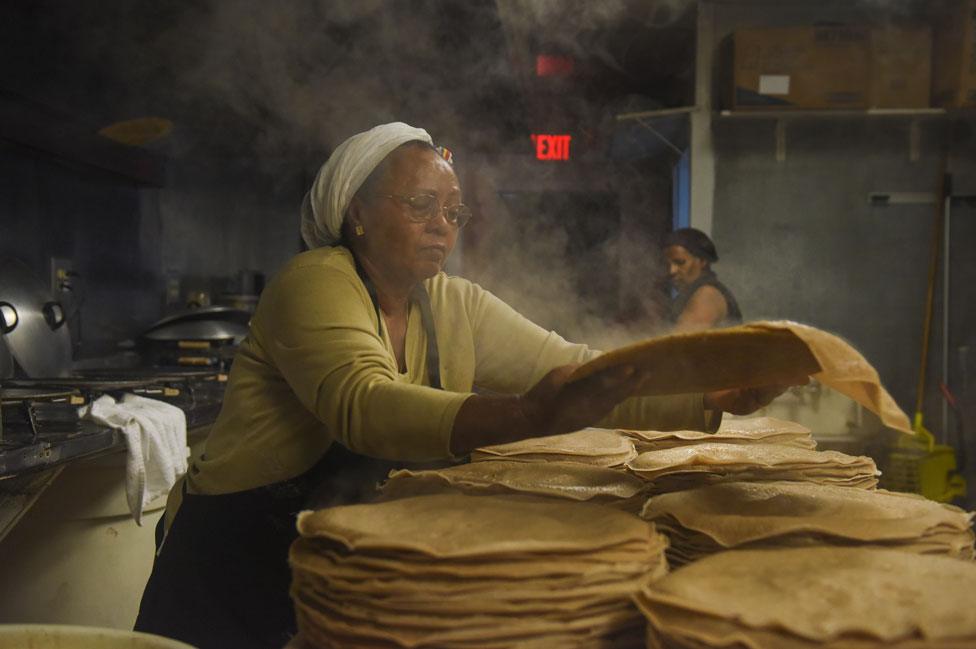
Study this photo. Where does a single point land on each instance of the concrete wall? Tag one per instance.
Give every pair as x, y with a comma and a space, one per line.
799, 240
220, 216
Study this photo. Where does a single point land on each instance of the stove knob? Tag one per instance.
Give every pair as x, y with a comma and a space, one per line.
8, 317
53, 314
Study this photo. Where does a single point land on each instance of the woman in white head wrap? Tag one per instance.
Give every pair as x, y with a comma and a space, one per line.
363, 346
325, 204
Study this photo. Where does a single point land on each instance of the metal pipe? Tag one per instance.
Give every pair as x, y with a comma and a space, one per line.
661, 137
945, 305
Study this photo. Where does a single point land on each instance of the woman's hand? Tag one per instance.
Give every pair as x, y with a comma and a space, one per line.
745, 401
552, 406
555, 406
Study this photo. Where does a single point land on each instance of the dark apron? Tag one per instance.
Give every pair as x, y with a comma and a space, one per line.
733, 315
221, 578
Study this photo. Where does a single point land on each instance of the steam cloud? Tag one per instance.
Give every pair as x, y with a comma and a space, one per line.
310, 74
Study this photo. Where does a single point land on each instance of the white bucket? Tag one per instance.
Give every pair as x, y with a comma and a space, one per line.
54, 636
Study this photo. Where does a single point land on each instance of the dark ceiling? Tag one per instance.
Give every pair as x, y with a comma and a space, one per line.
251, 77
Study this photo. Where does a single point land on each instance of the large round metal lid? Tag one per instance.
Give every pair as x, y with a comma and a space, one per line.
215, 312
32, 323
213, 330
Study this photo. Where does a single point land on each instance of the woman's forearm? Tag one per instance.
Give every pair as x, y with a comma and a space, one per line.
552, 406
487, 420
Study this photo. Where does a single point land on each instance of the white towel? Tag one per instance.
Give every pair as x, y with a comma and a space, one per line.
155, 436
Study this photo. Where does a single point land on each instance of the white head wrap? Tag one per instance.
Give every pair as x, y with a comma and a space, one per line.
325, 204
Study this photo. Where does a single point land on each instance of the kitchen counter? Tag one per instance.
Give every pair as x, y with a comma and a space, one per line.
18, 494
26, 472
66, 533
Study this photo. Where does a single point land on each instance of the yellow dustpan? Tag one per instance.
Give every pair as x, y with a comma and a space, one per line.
917, 464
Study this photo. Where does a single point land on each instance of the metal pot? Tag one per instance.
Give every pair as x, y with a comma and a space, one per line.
240, 301
204, 337
33, 325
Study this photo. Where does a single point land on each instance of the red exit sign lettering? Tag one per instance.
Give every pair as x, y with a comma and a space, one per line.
551, 147
553, 65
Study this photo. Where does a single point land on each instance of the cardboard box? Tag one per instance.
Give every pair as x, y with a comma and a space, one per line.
954, 56
901, 67
800, 68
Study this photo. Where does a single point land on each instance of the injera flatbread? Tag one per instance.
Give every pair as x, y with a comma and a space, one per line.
734, 514
826, 595
363, 573
452, 525
752, 355
718, 458
567, 480
759, 426
322, 632
597, 446
430, 631
765, 430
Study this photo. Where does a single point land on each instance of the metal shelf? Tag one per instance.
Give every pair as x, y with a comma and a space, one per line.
911, 113
661, 124
653, 114
782, 117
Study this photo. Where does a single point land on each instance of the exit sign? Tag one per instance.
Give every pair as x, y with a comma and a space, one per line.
551, 147
550, 65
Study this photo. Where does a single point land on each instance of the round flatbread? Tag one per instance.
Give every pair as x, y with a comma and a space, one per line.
739, 513
824, 594
753, 355
569, 480
452, 525
745, 356
596, 446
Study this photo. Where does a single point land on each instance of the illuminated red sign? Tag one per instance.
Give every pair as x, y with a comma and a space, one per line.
548, 65
551, 147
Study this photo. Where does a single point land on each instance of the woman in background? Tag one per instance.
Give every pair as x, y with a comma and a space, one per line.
701, 301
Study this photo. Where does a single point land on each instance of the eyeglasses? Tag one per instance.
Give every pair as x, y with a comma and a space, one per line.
423, 208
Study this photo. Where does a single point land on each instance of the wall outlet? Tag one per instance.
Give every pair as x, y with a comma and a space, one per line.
62, 276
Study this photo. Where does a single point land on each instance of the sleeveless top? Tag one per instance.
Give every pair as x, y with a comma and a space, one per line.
733, 315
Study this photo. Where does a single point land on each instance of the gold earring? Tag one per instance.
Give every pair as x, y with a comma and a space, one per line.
359, 231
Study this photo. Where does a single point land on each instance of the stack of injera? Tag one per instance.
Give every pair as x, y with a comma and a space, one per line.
706, 520
755, 430
596, 446
813, 598
687, 467
453, 571
564, 480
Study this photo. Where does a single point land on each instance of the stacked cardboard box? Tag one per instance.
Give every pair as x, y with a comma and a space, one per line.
833, 67
954, 52
901, 64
